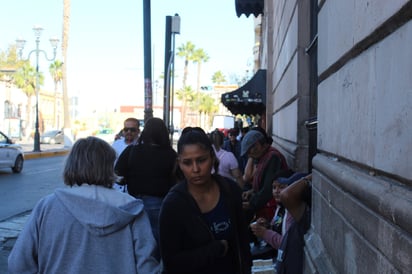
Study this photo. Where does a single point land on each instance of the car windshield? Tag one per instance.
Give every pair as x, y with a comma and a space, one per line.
50, 133
3, 138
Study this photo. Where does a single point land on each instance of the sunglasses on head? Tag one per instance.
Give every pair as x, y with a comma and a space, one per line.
131, 129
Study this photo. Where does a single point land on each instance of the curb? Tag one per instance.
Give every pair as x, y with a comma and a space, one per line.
49, 153
11, 227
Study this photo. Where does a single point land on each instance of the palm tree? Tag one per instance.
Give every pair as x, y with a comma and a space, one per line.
218, 77
206, 107
56, 72
65, 42
186, 51
187, 96
199, 57
25, 79
19, 73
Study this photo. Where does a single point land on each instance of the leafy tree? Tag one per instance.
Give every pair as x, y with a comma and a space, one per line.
25, 79
56, 72
6, 57
218, 77
9, 61
186, 51
20, 74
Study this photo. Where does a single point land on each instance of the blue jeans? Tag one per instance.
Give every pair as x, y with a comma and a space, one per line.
152, 206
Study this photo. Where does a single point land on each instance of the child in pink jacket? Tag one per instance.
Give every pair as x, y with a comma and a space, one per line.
273, 232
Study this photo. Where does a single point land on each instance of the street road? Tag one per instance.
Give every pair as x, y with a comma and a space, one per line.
20, 192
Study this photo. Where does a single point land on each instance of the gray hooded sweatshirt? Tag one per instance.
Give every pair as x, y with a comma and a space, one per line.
86, 229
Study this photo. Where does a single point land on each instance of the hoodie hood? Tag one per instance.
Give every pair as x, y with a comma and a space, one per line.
99, 209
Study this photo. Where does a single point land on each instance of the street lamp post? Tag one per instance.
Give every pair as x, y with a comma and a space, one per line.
20, 45
175, 30
172, 28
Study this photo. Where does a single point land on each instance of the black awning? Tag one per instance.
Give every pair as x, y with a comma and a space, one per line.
249, 7
249, 99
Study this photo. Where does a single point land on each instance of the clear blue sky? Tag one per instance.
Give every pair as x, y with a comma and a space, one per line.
106, 41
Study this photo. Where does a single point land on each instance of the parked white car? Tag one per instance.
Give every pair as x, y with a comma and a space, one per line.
52, 137
11, 154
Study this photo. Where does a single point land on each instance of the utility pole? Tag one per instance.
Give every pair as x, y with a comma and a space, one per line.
166, 78
172, 28
148, 103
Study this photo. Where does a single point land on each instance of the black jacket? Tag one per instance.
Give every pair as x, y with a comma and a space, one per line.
147, 169
187, 245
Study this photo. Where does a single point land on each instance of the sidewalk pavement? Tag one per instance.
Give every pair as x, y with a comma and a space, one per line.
9, 231
11, 227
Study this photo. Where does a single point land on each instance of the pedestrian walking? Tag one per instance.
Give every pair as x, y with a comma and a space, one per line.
87, 227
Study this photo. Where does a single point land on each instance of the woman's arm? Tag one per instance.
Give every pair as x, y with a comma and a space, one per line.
260, 198
121, 165
291, 197
272, 237
23, 257
144, 245
269, 236
237, 174
249, 170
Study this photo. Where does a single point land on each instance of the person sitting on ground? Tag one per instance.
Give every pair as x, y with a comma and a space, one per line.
87, 227
250, 163
273, 232
297, 200
268, 164
269, 139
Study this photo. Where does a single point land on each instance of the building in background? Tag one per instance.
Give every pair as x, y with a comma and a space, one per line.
339, 104
51, 110
12, 110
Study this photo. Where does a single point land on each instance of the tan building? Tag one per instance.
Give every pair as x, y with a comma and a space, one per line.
339, 104
51, 110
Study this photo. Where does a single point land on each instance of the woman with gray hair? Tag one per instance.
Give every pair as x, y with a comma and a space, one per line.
87, 227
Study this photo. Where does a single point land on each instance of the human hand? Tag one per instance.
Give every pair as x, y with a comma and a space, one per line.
263, 222
257, 229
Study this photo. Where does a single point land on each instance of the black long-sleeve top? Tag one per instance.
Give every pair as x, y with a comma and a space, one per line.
188, 246
147, 169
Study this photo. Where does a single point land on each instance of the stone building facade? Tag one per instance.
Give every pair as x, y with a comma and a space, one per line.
339, 104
